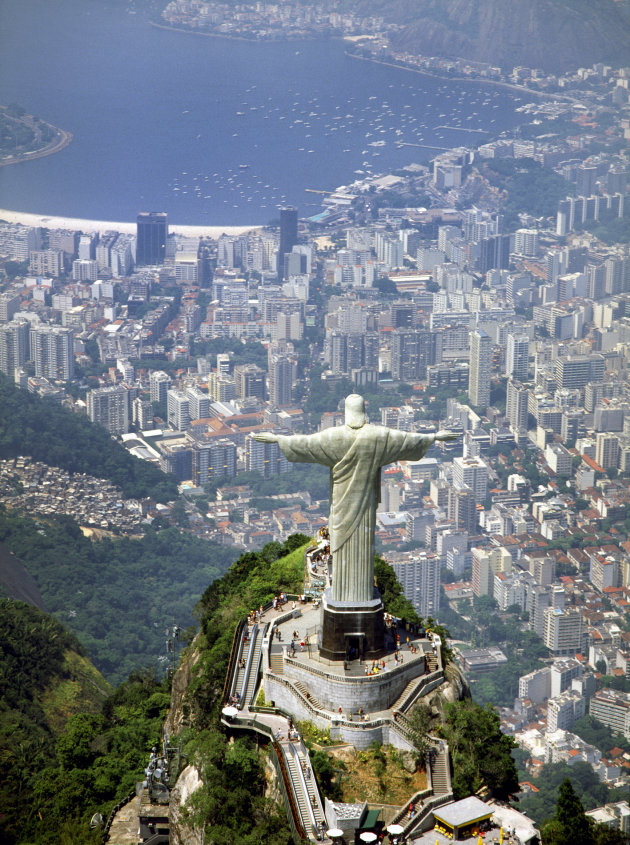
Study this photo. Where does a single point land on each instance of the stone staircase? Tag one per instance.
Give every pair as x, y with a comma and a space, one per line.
401, 702
440, 776
276, 662
308, 696
432, 662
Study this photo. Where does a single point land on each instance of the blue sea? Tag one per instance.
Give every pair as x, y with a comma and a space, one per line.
212, 131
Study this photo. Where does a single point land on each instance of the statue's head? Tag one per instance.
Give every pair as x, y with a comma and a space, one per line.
355, 415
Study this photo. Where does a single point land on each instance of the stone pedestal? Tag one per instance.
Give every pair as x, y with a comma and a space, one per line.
350, 630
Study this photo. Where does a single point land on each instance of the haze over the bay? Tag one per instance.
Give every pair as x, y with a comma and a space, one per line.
214, 132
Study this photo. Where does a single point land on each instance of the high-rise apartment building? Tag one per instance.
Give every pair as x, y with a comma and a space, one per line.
109, 407
14, 345
198, 403
281, 374
562, 631
152, 233
575, 371
487, 564
516, 405
84, 270
411, 353
178, 409
480, 369
420, 579
213, 460
517, 357
471, 473
52, 350
462, 508
612, 708
9, 305
607, 450
265, 458
142, 413
159, 385
249, 381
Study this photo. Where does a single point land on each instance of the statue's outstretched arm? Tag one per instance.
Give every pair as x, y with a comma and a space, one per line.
265, 436
447, 435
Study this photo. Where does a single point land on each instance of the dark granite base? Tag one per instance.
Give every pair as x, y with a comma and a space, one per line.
352, 631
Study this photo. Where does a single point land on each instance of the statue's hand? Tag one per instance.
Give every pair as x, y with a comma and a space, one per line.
265, 437
447, 435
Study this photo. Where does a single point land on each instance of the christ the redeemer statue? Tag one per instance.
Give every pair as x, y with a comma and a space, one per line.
355, 453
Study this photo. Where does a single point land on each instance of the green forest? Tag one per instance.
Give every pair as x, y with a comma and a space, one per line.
118, 596
47, 432
69, 746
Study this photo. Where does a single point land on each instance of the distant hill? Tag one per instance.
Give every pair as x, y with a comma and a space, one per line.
118, 596
58, 437
554, 35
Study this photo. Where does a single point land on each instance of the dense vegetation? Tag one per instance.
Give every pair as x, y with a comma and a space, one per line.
570, 823
118, 596
54, 435
251, 581
540, 805
480, 753
601, 736
20, 133
530, 187
67, 747
230, 806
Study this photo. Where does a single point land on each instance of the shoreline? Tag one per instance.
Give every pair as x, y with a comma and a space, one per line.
226, 36
471, 79
80, 224
61, 143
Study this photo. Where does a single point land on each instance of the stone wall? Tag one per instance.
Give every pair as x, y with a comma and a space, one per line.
360, 734
371, 692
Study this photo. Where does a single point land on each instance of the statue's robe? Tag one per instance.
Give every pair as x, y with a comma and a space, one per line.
355, 457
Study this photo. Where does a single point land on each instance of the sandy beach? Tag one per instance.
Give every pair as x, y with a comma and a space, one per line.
79, 224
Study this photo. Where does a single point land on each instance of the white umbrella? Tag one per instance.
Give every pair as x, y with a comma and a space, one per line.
230, 712
368, 837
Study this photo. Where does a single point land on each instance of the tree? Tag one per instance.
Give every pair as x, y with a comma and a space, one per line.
570, 823
481, 753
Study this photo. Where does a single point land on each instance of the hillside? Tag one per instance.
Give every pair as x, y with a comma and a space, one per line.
58, 437
45, 680
117, 596
16, 582
554, 35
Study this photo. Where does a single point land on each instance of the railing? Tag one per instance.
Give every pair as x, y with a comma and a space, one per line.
112, 815
416, 693
423, 812
415, 799
253, 637
238, 636
295, 815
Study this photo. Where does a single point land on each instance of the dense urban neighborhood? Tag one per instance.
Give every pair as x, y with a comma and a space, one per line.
486, 292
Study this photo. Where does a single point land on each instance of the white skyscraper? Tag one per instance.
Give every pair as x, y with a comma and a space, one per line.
517, 358
420, 580
52, 350
109, 407
480, 369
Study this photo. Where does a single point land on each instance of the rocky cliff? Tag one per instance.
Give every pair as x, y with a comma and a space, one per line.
554, 35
